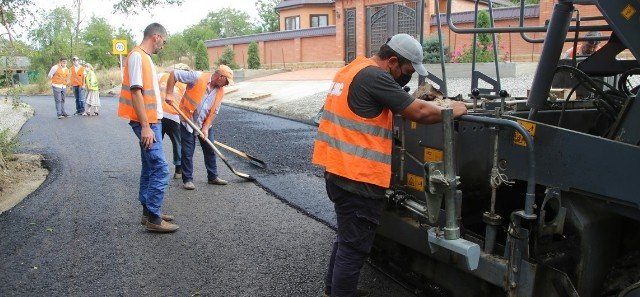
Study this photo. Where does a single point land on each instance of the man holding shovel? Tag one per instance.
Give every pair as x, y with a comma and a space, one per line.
200, 104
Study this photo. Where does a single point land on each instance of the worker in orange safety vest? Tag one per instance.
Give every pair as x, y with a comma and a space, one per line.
59, 75
200, 103
141, 104
77, 83
354, 144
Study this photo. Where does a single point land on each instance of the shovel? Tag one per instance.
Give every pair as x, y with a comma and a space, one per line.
254, 161
218, 153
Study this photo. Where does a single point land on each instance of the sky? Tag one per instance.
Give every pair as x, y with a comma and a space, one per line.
173, 18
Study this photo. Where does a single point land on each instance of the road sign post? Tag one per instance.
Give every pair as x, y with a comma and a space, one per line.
119, 48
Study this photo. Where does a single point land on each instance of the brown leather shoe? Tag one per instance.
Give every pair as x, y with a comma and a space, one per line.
163, 227
164, 217
218, 181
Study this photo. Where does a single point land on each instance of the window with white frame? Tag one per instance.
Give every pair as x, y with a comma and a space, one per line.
292, 23
319, 20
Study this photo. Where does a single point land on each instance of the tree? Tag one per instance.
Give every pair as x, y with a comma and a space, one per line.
97, 41
202, 58
15, 13
228, 58
175, 49
133, 6
229, 22
269, 18
52, 38
254, 56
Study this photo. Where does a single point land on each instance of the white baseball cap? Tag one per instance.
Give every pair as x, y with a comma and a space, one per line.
409, 48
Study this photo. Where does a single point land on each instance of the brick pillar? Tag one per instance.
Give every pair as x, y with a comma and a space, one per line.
262, 53
340, 31
361, 30
297, 48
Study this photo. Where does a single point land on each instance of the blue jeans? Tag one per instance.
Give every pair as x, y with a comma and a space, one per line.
154, 176
58, 97
358, 218
188, 147
78, 93
172, 129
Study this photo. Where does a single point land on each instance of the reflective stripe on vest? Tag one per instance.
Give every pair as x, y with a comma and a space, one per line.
178, 91
60, 77
125, 107
351, 146
76, 76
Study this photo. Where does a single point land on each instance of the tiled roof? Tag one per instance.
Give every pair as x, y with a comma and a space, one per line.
507, 13
280, 35
292, 3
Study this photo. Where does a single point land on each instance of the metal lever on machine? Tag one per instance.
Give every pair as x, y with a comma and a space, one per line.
452, 240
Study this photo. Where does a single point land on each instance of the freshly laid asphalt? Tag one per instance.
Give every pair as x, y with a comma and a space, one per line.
79, 233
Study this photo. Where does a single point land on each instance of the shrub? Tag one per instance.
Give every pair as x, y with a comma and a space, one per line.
202, 58
431, 49
254, 56
228, 58
8, 144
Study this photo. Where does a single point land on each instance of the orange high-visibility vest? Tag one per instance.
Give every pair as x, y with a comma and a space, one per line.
194, 95
77, 77
125, 107
61, 75
178, 89
351, 146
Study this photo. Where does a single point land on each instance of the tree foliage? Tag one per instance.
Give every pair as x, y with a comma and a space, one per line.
134, 6
254, 56
52, 39
15, 13
202, 59
269, 18
228, 58
229, 22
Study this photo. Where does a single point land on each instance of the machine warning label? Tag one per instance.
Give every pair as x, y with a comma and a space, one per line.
518, 138
415, 182
414, 125
432, 155
628, 12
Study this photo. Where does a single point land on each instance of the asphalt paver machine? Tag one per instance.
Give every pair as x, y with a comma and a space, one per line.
535, 196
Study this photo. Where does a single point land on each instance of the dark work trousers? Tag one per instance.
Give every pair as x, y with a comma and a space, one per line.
188, 148
358, 217
172, 129
78, 94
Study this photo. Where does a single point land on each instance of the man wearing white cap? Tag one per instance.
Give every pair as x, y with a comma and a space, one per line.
354, 143
200, 102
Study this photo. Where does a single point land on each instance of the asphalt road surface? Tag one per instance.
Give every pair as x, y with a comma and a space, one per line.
79, 233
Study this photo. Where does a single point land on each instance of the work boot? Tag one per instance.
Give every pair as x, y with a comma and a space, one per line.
178, 173
164, 217
189, 186
218, 181
163, 227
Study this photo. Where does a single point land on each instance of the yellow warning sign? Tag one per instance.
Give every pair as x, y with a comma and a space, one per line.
415, 182
432, 155
518, 138
628, 12
414, 125
119, 46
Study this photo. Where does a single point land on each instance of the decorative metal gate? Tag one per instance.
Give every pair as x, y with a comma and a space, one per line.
385, 21
350, 35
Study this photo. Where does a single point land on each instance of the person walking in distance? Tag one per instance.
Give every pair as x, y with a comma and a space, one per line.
171, 122
141, 104
92, 101
77, 83
354, 144
200, 103
59, 75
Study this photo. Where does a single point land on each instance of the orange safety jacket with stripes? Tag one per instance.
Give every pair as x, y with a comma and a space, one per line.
61, 75
178, 89
194, 95
77, 77
125, 107
351, 146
